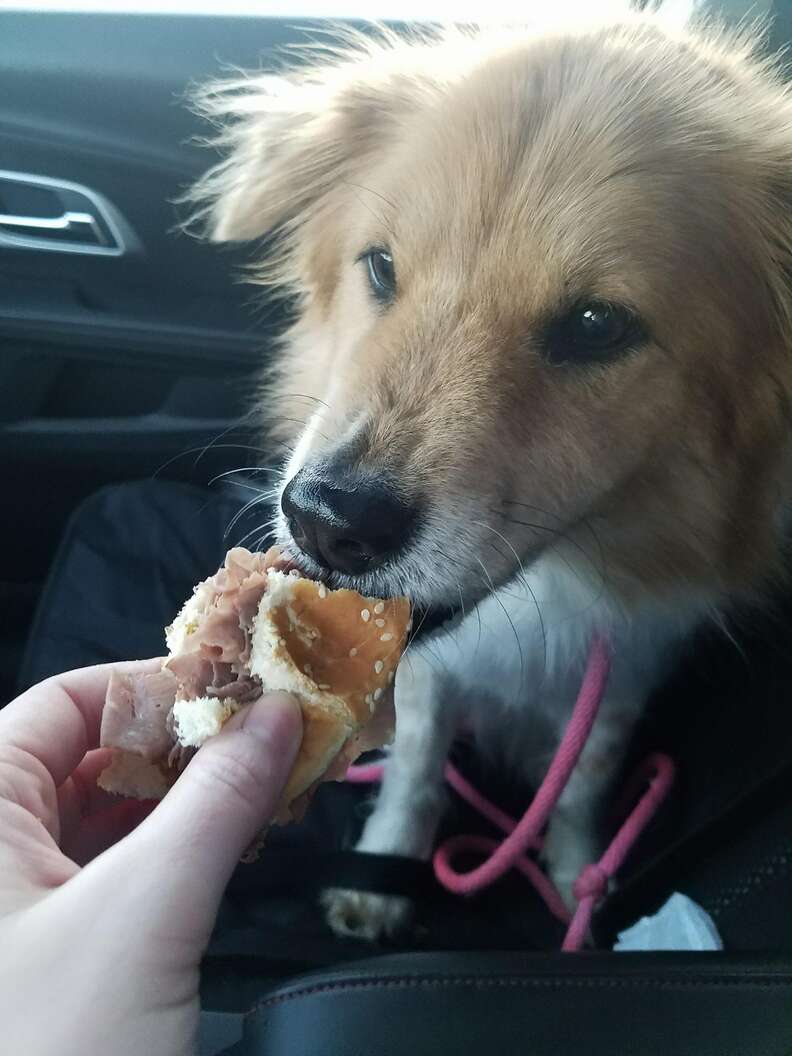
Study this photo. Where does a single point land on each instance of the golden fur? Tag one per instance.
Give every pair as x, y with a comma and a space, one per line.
512, 174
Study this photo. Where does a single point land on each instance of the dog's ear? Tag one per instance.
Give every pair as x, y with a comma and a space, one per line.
288, 141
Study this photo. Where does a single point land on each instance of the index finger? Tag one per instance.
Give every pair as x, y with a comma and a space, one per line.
57, 721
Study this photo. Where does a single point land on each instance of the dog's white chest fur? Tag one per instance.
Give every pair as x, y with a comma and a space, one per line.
513, 666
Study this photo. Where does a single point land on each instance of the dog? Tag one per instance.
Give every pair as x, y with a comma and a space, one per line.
538, 376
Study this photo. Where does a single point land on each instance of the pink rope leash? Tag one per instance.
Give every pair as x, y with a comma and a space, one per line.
592, 884
525, 834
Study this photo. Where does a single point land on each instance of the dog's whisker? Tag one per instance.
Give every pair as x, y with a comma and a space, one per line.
431, 658
562, 534
524, 580
305, 396
281, 418
238, 423
243, 469
202, 450
436, 549
234, 425
576, 572
494, 594
259, 540
415, 630
242, 484
265, 496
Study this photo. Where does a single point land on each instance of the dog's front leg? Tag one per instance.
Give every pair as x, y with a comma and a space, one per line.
573, 837
410, 802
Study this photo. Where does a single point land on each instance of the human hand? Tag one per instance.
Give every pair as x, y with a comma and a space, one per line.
106, 905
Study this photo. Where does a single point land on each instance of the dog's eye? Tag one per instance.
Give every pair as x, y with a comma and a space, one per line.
591, 332
381, 274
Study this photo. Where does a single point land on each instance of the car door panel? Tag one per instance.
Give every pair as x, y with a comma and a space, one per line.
114, 365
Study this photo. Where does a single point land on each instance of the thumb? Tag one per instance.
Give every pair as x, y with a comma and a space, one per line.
190, 844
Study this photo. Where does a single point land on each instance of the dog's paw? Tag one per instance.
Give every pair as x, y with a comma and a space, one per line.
361, 915
566, 852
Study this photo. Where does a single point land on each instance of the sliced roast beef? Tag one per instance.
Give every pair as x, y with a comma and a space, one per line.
210, 661
220, 635
243, 690
194, 673
136, 711
215, 649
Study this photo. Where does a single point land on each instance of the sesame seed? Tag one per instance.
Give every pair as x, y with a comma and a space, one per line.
377, 694
353, 651
307, 669
282, 641
378, 666
380, 623
379, 607
324, 685
365, 615
294, 573
391, 676
386, 637
322, 591
369, 699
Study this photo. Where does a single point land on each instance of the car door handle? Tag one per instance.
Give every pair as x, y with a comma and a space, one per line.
79, 227
42, 213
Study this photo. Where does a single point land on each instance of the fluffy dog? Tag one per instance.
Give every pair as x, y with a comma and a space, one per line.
539, 374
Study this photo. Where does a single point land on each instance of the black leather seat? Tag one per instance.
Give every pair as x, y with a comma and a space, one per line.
533, 1004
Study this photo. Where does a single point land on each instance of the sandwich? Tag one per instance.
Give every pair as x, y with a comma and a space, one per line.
258, 626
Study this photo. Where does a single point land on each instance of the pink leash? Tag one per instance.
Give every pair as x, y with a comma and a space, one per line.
525, 834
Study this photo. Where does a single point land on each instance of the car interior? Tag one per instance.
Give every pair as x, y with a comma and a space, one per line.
130, 349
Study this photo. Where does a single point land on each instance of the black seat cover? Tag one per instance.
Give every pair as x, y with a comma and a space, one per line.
531, 1004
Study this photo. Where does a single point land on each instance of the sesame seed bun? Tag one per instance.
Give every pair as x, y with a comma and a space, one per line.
334, 650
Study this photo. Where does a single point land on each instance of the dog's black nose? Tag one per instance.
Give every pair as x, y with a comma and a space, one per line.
346, 522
